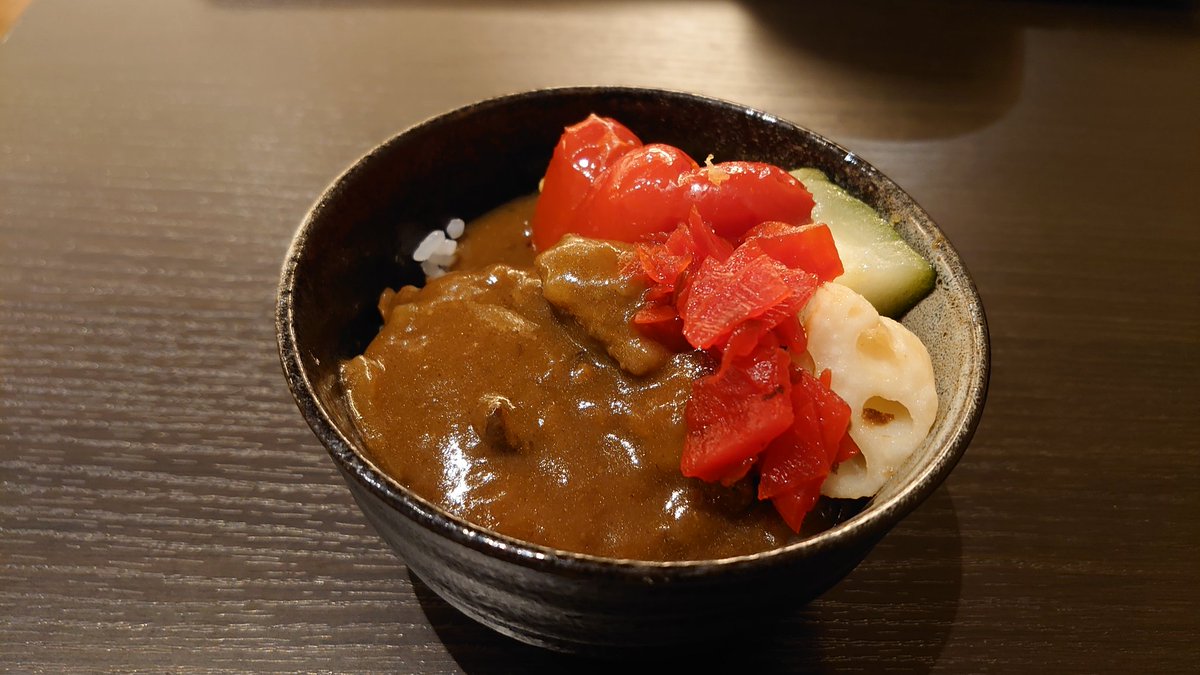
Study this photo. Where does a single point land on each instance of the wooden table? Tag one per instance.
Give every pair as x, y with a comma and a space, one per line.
163, 505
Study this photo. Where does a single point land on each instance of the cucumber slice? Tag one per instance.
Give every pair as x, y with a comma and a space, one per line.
880, 266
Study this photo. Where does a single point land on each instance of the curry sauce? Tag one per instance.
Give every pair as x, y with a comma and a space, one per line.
516, 395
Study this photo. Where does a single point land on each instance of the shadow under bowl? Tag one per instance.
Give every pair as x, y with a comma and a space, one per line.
358, 239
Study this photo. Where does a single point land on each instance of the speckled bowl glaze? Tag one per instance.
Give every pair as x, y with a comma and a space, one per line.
357, 240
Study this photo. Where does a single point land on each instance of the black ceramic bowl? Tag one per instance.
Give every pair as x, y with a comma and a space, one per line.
358, 239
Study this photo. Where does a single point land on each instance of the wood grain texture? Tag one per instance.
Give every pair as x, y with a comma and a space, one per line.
163, 506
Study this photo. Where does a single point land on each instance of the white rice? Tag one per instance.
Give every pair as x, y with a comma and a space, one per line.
436, 252
429, 245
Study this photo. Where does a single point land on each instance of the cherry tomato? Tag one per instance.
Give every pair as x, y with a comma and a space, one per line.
581, 156
733, 197
636, 196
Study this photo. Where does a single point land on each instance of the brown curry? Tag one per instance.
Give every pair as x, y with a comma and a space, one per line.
516, 395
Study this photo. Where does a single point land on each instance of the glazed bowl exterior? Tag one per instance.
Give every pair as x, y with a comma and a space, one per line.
358, 239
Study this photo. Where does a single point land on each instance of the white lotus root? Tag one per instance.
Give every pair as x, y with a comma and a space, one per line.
883, 372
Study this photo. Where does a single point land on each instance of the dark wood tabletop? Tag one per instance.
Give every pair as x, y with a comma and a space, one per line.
163, 505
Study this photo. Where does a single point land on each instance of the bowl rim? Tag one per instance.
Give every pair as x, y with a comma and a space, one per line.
865, 527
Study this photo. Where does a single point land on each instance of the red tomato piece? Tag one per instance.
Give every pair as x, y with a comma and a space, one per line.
583, 152
847, 449
807, 451
834, 413
658, 294
795, 505
706, 242
803, 285
722, 295
792, 336
664, 262
655, 314
749, 285
804, 247
637, 196
733, 414
798, 455
742, 342
735, 196
660, 322
739, 472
